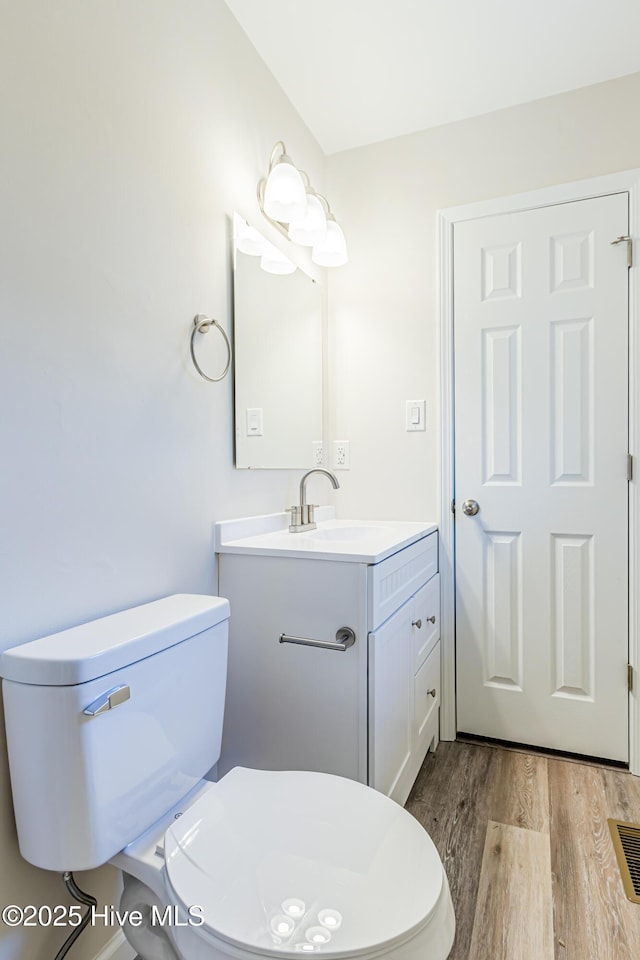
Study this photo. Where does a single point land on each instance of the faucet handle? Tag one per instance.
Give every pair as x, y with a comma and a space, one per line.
311, 509
296, 514
301, 517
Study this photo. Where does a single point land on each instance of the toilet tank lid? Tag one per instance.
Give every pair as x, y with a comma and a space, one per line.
99, 647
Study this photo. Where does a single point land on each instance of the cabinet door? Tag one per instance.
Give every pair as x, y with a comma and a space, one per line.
391, 705
288, 706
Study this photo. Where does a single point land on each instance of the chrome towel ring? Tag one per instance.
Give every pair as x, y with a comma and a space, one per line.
202, 324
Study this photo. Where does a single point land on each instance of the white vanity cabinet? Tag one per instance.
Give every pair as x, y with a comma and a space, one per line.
369, 712
404, 667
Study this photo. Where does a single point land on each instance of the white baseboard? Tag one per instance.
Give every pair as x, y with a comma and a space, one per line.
118, 948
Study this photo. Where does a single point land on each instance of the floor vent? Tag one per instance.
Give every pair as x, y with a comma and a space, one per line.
626, 843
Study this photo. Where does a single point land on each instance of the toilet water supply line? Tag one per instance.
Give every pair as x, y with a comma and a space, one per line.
81, 897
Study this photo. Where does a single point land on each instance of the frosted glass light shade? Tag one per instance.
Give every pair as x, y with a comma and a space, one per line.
248, 240
312, 228
273, 261
285, 195
332, 251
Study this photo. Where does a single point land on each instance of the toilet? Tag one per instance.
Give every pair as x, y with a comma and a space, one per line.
111, 728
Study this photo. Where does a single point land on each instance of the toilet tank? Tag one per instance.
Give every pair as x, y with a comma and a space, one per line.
112, 723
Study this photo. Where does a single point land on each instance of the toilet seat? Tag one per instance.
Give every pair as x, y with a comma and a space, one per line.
302, 862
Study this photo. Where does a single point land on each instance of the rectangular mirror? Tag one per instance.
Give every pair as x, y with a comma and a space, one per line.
278, 363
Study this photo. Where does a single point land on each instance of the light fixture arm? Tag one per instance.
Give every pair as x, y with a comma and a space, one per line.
281, 144
323, 200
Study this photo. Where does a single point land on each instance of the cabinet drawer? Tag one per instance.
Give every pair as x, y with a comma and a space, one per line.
426, 612
397, 578
424, 703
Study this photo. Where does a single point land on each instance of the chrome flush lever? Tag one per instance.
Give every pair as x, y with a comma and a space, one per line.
109, 700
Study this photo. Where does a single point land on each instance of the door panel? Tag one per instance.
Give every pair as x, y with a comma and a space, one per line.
541, 401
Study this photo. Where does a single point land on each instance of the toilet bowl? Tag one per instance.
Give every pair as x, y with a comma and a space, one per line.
111, 727
275, 863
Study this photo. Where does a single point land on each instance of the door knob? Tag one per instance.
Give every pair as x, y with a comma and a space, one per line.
470, 508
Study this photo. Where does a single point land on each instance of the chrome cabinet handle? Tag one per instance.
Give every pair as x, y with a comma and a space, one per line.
345, 638
470, 508
433, 693
432, 619
107, 701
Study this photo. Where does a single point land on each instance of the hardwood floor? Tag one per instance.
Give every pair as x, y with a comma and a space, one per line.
526, 847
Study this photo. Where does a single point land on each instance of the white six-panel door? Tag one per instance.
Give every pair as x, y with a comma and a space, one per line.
541, 400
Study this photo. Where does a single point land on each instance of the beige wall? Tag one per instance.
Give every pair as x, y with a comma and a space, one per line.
130, 131
383, 337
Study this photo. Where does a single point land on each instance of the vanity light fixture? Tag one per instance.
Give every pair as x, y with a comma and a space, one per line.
285, 194
250, 241
332, 251
312, 228
274, 261
301, 215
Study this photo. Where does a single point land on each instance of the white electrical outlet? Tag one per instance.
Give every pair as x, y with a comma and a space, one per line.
317, 458
341, 456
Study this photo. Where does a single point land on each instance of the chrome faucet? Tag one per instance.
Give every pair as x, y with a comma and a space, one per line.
302, 514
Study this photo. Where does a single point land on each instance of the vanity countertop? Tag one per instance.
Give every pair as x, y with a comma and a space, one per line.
355, 541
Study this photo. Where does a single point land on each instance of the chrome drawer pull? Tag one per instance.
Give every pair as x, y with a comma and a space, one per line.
345, 638
416, 623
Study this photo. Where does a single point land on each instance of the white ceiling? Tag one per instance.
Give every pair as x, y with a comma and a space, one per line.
359, 71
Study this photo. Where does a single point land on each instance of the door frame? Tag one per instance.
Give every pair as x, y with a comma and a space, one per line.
626, 181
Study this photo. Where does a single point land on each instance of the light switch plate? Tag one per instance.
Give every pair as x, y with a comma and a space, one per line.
416, 415
254, 422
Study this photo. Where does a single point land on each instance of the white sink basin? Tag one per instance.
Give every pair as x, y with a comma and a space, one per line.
349, 533
356, 541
